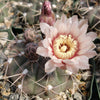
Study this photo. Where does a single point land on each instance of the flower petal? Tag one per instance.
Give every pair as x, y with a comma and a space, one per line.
71, 23
82, 38
42, 51
49, 31
75, 30
92, 35
56, 60
90, 54
81, 62
63, 18
45, 43
50, 67
68, 26
68, 62
82, 22
53, 32
45, 28
86, 46
71, 66
60, 26
72, 69
74, 18
83, 29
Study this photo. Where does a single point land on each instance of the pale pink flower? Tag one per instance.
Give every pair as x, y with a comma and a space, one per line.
67, 44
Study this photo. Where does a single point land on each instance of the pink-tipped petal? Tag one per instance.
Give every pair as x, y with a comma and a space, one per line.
85, 43
68, 25
63, 18
72, 69
75, 30
45, 43
49, 31
81, 62
90, 54
56, 60
71, 66
82, 22
83, 29
68, 62
42, 51
82, 38
45, 28
86, 47
50, 67
71, 25
74, 18
53, 32
92, 35
60, 26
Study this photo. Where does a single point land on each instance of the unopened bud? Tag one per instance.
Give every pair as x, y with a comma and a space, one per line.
29, 35
47, 15
30, 51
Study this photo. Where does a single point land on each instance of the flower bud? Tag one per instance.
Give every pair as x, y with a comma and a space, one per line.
30, 35
47, 14
30, 51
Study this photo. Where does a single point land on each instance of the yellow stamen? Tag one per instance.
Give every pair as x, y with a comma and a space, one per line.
64, 46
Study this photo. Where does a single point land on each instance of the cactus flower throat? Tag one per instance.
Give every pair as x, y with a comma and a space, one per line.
65, 46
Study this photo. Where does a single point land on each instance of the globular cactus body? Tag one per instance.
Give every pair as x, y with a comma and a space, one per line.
36, 81
32, 86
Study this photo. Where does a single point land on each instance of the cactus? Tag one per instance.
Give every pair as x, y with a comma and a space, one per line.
32, 77
36, 81
23, 68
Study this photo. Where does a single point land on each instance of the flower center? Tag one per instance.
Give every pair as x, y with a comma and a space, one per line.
64, 46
